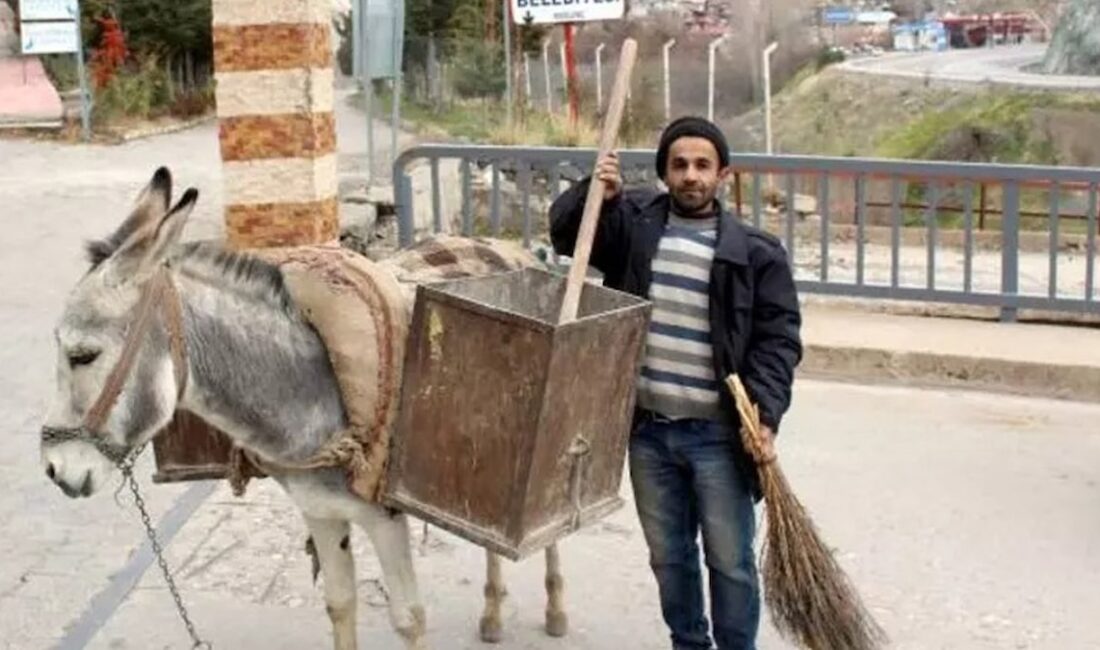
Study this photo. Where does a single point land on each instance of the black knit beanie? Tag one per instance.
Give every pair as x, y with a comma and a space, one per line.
693, 127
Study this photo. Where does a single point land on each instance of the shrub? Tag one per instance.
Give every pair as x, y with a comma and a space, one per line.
828, 56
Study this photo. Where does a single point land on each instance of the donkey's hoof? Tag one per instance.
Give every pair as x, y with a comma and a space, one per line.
413, 631
557, 624
491, 630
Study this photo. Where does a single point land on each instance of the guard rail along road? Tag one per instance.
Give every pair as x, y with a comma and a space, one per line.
1008, 237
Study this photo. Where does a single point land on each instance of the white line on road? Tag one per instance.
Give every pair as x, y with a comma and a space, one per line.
103, 606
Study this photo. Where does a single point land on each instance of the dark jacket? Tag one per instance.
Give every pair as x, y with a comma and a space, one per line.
754, 312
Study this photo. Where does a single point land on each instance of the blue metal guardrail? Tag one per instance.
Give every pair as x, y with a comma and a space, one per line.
866, 215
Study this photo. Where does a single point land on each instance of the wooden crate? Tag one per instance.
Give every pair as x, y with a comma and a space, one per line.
190, 449
497, 397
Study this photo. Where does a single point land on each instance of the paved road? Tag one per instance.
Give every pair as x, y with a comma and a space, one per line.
966, 520
1001, 65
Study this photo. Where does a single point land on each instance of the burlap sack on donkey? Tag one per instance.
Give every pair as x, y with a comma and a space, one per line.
359, 311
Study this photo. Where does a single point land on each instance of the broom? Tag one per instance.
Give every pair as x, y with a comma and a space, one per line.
810, 598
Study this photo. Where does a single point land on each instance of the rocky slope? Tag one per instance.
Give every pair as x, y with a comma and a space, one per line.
1075, 46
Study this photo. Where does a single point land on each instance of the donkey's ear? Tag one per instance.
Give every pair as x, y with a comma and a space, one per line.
171, 226
157, 195
142, 253
150, 206
154, 230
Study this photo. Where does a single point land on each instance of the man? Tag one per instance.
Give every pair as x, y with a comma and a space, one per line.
724, 301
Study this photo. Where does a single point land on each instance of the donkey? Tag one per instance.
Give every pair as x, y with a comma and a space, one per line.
156, 325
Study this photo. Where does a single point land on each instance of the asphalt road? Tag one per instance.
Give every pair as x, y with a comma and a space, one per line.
1001, 65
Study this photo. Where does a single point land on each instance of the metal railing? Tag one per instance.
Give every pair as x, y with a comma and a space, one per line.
901, 230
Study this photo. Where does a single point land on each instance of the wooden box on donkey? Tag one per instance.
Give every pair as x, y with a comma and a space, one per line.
512, 428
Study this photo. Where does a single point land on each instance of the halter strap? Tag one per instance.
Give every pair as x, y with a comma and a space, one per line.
161, 292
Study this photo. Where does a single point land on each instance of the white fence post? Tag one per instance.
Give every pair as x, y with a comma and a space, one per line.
546, 69
599, 77
710, 75
668, 97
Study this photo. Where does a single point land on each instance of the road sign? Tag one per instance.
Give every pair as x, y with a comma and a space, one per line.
383, 38
540, 12
47, 9
53, 27
838, 15
48, 38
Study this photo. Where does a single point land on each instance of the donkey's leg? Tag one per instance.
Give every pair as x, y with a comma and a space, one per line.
389, 533
492, 630
332, 545
557, 623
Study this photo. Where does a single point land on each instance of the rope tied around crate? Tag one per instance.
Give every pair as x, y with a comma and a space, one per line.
579, 451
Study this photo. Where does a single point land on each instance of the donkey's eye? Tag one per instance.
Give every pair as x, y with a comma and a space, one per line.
83, 358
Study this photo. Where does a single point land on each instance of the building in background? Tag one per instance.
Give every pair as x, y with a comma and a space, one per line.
920, 35
977, 30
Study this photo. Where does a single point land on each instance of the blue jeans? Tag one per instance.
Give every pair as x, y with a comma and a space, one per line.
685, 478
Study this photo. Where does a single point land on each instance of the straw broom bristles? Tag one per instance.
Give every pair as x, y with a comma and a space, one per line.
810, 598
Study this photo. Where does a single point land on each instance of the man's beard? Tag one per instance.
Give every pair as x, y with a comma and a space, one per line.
698, 200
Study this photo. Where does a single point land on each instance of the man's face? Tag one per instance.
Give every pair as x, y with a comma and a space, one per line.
693, 174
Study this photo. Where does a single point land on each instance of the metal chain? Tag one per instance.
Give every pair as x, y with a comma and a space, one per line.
127, 468
116, 454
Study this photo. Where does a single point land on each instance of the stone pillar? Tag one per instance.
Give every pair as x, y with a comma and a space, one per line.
273, 66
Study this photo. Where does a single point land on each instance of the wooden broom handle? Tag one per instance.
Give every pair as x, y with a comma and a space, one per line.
582, 250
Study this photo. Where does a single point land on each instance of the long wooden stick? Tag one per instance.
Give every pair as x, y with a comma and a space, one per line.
582, 250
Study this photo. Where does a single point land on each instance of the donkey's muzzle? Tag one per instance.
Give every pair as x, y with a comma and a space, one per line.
84, 489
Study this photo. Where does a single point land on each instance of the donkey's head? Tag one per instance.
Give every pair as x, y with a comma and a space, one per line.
118, 339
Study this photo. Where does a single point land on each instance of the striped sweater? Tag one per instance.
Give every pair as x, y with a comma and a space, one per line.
677, 378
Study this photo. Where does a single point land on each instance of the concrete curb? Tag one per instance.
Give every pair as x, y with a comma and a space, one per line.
30, 124
137, 134
1068, 382
943, 310
105, 137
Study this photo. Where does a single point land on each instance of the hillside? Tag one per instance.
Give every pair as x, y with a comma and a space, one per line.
841, 114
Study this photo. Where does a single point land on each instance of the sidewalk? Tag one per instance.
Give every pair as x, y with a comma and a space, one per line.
1037, 360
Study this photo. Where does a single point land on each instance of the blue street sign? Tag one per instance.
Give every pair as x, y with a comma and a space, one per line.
838, 15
